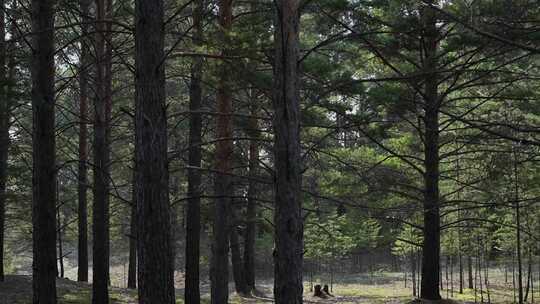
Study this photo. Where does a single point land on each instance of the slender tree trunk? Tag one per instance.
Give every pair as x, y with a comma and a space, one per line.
288, 221
413, 273
431, 244
506, 272
223, 159
452, 276
132, 267
236, 259
154, 238
470, 271
43, 151
446, 276
193, 219
405, 276
60, 271
514, 277
529, 273
251, 212
476, 282
82, 186
102, 107
518, 228
486, 272
4, 133
479, 268
461, 278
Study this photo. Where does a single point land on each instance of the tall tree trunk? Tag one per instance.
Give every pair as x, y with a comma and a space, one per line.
132, 267
82, 186
223, 180
236, 253
460, 232
236, 259
413, 273
4, 133
193, 218
529, 274
431, 244
102, 113
518, 228
43, 151
60, 270
251, 212
460, 257
288, 221
154, 238
470, 271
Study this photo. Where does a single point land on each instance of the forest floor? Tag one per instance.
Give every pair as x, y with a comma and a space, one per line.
384, 290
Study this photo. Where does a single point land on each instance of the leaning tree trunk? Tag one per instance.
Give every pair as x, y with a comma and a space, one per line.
102, 113
193, 218
223, 158
154, 238
288, 221
4, 133
82, 186
43, 151
431, 244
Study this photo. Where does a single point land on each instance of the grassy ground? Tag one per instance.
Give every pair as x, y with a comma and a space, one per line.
17, 290
379, 289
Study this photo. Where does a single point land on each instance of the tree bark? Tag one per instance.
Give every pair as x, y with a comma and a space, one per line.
193, 218
4, 133
102, 114
132, 267
223, 159
288, 221
154, 243
251, 212
413, 273
431, 244
82, 186
60, 269
43, 151
518, 228
470, 272
236, 259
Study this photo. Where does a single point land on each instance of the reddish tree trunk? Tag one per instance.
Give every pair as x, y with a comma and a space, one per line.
223, 159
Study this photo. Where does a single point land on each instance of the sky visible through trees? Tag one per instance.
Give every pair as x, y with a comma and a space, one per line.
334, 151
